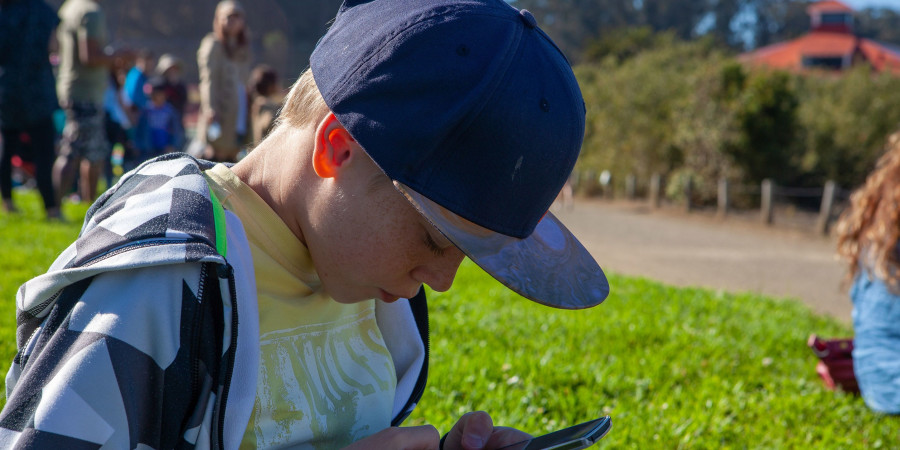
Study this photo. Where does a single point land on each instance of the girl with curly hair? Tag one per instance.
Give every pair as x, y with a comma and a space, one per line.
867, 240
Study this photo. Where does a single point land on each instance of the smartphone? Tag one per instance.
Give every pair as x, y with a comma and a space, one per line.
576, 437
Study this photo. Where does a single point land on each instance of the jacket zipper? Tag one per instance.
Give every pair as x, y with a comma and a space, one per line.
229, 366
198, 323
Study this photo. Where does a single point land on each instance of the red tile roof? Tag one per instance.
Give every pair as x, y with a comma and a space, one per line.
882, 57
828, 6
789, 55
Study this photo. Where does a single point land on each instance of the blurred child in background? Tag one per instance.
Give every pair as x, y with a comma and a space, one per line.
119, 123
169, 75
136, 80
159, 127
266, 92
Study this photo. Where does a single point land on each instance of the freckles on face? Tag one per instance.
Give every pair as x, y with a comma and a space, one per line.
382, 248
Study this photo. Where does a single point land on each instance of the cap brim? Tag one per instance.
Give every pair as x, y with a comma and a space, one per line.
549, 267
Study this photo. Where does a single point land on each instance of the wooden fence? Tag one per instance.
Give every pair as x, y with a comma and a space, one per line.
832, 197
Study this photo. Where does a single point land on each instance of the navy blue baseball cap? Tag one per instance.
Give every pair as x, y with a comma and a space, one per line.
476, 116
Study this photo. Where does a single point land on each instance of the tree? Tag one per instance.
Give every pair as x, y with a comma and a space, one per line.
621, 44
880, 24
766, 119
681, 17
571, 22
778, 20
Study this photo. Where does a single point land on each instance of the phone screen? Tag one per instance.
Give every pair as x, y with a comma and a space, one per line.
575, 437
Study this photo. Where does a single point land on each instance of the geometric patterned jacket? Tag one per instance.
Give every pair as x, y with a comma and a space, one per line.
144, 332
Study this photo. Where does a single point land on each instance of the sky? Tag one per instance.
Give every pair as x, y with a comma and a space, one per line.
860, 4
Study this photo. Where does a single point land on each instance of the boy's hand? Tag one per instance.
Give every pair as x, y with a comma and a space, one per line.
476, 430
424, 437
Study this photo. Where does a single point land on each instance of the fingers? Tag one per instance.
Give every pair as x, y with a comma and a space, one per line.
471, 432
503, 436
425, 437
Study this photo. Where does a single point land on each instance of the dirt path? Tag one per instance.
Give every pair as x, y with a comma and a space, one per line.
699, 250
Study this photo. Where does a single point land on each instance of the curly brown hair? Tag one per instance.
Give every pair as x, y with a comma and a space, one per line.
868, 230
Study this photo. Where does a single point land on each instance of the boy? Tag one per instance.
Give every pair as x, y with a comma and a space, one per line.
159, 127
264, 304
169, 73
136, 79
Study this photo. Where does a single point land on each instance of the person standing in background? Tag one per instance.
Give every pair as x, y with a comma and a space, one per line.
27, 96
267, 97
224, 60
868, 235
81, 85
169, 75
136, 80
119, 121
159, 127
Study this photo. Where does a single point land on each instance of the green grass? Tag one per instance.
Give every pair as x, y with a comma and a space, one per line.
676, 368
28, 245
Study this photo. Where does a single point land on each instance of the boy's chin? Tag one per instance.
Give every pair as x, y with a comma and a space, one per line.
348, 298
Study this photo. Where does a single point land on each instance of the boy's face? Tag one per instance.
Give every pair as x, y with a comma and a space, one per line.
367, 241
172, 74
158, 97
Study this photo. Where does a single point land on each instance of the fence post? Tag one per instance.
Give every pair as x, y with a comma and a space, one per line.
766, 203
655, 187
606, 186
575, 180
825, 210
688, 193
723, 197
589, 183
630, 186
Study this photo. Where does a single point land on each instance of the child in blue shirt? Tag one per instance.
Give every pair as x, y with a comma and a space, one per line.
159, 127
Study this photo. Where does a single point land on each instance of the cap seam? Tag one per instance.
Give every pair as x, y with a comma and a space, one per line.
419, 21
465, 123
492, 225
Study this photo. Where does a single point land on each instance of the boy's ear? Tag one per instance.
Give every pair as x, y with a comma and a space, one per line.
334, 147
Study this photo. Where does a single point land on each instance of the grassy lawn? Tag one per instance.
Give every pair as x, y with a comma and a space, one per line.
689, 368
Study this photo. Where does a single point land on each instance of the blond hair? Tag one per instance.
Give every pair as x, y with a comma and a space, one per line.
304, 105
868, 231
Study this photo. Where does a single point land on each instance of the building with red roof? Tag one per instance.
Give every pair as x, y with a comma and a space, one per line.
830, 45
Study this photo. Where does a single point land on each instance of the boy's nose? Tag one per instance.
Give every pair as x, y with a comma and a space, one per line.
439, 273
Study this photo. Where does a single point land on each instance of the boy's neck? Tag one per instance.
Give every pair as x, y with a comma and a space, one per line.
280, 171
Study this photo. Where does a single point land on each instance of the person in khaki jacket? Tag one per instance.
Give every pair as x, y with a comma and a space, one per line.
224, 60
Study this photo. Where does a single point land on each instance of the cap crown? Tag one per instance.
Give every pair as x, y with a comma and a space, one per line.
466, 102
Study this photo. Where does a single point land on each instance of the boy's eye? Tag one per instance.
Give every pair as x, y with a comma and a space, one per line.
432, 246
